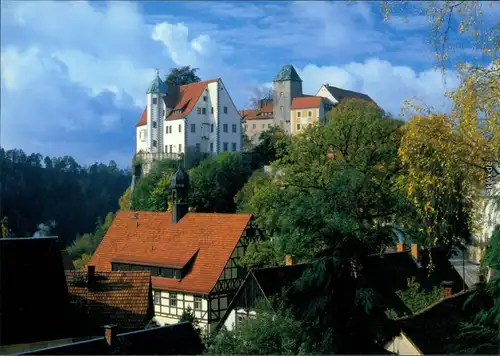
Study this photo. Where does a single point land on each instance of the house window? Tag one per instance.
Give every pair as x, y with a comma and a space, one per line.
212, 128
298, 114
204, 98
281, 108
171, 149
310, 113
233, 146
212, 110
298, 126
166, 148
197, 147
211, 146
157, 297
193, 128
234, 128
197, 303
224, 145
180, 147
166, 129
173, 299
225, 109
198, 110
245, 126
155, 143
224, 127
180, 127
155, 101
204, 111
254, 126
263, 126
154, 124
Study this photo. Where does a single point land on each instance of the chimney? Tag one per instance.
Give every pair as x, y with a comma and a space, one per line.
90, 277
290, 260
110, 334
400, 247
414, 251
447, 288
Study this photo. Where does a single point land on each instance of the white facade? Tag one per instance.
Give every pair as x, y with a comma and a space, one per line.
488, 215
237, 316
325, 93
212, 126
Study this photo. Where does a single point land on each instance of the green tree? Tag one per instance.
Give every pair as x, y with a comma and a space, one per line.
268, 333
215, 182
245, 195
332, 202
124, 202
183, 75
272, 145
416, 298
188, 315
151, 192
492, 254
481, 335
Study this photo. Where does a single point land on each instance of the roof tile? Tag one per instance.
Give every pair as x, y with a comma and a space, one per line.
187, 98
306, 102
152, 239
120, 298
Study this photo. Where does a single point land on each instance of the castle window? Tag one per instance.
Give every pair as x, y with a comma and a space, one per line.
212, 128
224, 145
204, 98
233, 146
154, 124
212, 110
298, 114
197, 147
203, 111
198, 110
225, 109
211, 146
180, 127
171, 149
224, 128
155, 101
155, 143
234, 128
193, 128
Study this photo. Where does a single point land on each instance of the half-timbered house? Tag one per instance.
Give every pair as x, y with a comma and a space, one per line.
192, 257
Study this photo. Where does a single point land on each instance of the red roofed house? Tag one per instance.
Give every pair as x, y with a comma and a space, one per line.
256, 121
198, 117
192, 257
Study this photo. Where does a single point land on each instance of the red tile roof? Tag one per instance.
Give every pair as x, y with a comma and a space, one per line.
121, 298
152, 239
187, 98
306, 102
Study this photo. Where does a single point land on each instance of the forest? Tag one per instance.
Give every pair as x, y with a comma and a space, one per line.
56, 196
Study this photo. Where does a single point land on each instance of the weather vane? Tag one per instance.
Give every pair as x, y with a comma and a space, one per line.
157, 72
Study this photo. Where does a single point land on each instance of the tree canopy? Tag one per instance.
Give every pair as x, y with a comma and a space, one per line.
41, 190
182, 75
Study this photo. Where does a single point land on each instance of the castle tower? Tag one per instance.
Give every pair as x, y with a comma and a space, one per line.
286, 86
156, 107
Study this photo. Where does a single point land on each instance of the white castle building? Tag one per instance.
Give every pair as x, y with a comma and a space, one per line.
198, 117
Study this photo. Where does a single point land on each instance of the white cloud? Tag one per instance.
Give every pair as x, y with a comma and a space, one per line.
389, 85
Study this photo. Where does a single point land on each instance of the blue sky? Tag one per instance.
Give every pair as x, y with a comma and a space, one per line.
74, 73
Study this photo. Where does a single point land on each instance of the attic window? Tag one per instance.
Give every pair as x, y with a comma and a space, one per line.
204, 98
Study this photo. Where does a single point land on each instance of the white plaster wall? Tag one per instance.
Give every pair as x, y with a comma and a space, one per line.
141, 138
325, 93
230, 321
175, 138
231, 118
182, 305
488, 215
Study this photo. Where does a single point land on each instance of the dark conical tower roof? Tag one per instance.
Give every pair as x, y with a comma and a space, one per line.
180, 179
288, 72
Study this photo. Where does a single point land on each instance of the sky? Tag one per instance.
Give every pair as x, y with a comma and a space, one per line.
74, 74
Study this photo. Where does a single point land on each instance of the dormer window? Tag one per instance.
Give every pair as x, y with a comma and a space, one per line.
204, 98
155, 101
